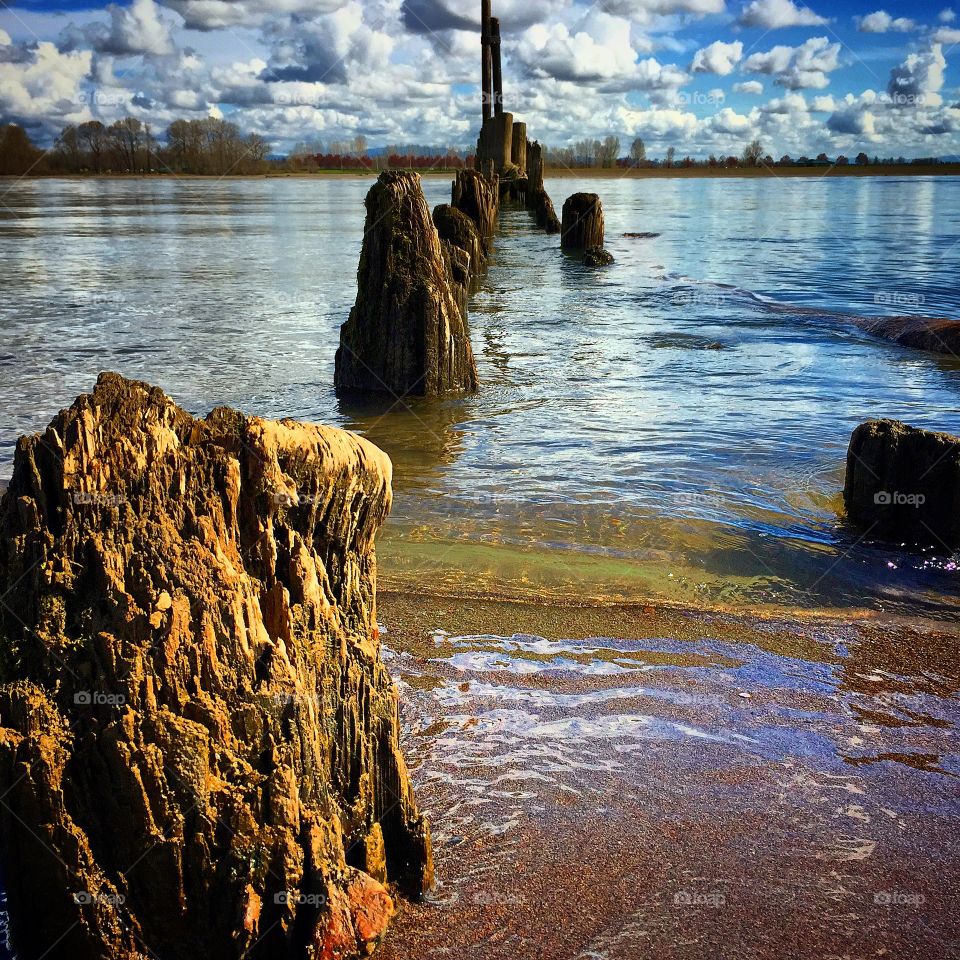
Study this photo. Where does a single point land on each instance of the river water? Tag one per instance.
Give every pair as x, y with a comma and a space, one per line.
775, 775
672, 427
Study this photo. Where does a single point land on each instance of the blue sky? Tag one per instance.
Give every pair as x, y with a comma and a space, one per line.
704, 76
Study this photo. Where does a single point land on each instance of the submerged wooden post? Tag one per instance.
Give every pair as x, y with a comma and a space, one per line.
583, 226
583, 229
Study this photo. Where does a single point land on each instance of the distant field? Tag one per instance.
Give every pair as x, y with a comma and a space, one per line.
850, 170
642, 173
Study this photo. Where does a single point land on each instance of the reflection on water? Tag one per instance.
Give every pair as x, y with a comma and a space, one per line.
792, 781
674, 426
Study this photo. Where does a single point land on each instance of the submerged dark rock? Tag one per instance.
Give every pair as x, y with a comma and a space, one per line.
597, 257
199, 749
903, 484
408, 333
936, 334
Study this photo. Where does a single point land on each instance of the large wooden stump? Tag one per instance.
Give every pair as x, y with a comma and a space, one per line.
582, 222
479, 198
407, 333
199, 741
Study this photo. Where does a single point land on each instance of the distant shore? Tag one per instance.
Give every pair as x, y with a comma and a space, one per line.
833, 170
586, 173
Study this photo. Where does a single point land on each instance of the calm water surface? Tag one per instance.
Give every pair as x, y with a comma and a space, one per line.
673, 427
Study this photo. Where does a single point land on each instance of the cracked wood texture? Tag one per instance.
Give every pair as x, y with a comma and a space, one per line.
199, 751
407, 334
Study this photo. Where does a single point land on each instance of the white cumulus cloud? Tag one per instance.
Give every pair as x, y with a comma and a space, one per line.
774, 14
798, 68
919, 79
215, 14
43, 84
718, 57
881, 22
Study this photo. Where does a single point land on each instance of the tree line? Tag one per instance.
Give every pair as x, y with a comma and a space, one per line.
210, 146
216, 147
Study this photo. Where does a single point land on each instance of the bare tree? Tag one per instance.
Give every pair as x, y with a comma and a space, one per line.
609, 151
752, 153
93, 136
125, 140
638, 151
67, 147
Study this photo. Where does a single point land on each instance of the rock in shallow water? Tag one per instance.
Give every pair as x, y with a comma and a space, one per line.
904, 484
597, 257
935, 334
199, 748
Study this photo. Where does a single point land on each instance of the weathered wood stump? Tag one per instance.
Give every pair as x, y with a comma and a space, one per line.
199, 742
583, 227
456, 227
496, 141
407, 333
903, 484
534, 166
537, 198
479, 198
519, 147
542, 206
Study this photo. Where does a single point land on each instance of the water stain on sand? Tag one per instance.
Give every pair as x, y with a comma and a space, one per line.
632, 782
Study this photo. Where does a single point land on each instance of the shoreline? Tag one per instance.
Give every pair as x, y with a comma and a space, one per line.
557, 618
557, 173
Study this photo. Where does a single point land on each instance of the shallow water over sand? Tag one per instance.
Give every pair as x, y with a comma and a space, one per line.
754, 789
672, 427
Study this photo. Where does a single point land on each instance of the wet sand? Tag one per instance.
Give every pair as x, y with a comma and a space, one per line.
636, 781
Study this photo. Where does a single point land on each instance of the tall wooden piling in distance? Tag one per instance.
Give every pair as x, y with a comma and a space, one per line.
518, 147
497, 67
487, 62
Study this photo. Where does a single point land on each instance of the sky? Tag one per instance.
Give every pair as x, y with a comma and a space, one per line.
703, 76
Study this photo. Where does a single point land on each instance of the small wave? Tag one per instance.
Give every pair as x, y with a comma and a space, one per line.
936, 334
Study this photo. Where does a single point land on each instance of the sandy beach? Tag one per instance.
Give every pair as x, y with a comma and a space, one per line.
702, 786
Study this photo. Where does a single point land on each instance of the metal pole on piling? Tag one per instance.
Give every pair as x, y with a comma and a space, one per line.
497, 66
487, 69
